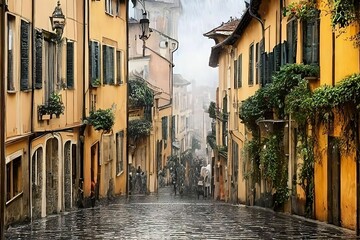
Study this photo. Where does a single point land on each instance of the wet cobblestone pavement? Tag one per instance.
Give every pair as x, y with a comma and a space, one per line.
173, 217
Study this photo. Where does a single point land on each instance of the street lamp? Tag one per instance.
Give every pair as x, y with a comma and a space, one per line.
144, 24
145, 33
58, 22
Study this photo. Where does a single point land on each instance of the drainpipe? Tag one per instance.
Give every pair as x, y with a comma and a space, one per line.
262, 47
127, 101
3, 8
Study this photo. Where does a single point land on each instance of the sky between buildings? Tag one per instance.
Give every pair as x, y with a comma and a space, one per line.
200, 16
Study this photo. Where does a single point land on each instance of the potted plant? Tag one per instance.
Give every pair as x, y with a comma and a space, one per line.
43, 113
55, 105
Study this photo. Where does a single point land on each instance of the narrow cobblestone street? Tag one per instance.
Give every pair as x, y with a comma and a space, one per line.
166, 216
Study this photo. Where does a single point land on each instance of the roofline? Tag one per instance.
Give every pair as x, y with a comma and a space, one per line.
237, 33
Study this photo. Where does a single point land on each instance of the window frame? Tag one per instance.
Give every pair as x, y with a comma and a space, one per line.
10, 162
95, 63
119, 67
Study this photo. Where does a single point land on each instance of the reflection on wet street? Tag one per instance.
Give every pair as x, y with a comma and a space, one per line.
166, 216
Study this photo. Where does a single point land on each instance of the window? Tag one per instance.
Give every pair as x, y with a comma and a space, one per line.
119, 152
108, 64
164, 127
95, 63
70, 65
24, 55
235, 159
10, 53
292, 40
311, 41
239, 71
38, 59
251, 65
235, 74
13, 178
118, 67
108, 7
50, 67
117, 9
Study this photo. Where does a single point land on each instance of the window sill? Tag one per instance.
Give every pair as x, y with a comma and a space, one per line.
109, 14
26, 90
11, 91
14, 198
120, 173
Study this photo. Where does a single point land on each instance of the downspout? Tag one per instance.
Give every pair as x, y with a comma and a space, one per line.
32, 103
2, 118
262, 46
127, 101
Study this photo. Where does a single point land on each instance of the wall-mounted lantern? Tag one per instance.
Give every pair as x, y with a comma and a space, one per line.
58, 22
144, 24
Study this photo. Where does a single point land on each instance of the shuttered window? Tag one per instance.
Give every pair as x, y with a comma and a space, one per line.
95, 63
277, 57
118, 67
257, 63
164, 127
311, 31
70, 65
38, 59
292, 40
251, 65
239, 71
235, 74
108, 64
10, 53
119, 152
24, 56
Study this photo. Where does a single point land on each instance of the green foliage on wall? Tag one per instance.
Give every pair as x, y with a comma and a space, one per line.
139, 128
101, 119
140, 95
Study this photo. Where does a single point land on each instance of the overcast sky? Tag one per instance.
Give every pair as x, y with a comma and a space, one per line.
199, 17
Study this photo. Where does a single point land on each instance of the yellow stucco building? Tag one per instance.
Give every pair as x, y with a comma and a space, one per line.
268, 35
51, 154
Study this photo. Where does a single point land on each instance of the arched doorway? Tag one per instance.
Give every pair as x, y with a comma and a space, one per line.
52, 175
37, 182
67, 175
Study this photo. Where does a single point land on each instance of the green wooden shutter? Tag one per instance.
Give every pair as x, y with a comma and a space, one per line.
239, 74
284, 53
111, 66
38, 59
292, 40
95, 62
251, 65
277, 57
105, 63
24, 56
235, 74
70, 64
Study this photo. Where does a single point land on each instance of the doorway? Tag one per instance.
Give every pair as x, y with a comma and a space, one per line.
52, 176
334, 167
